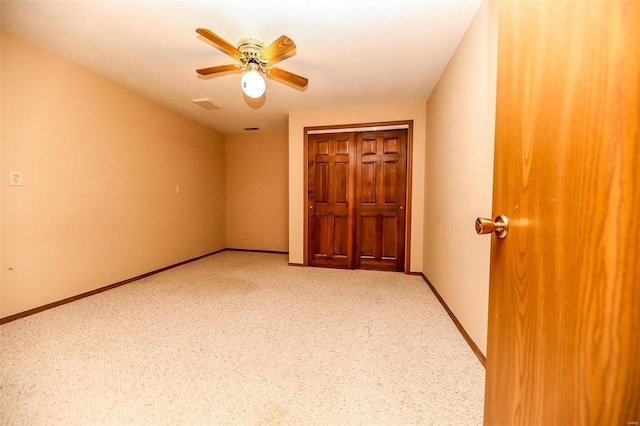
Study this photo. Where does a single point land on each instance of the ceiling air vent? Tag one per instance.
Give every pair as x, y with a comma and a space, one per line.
207, 103
251, 129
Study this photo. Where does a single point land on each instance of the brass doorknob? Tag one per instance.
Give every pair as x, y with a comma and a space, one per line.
500, 225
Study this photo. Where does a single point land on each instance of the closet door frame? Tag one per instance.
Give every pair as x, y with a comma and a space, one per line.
361, 127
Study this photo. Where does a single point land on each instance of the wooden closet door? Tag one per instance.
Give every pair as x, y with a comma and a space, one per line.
381, 178
331, 180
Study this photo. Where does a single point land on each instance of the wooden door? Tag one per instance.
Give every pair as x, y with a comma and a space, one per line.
381, 178
331, 180
564, 298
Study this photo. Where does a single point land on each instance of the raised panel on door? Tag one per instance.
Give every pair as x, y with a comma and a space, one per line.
321, 185
390, 176
367, 237
330, 200
390, 237
380, 200
367, 180
320, 229
341, 186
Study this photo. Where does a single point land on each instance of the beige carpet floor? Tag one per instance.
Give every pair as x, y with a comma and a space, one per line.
243, 338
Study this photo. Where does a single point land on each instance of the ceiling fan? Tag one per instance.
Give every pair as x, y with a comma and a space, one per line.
254, 59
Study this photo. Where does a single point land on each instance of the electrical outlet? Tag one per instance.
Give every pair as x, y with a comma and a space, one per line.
15, 178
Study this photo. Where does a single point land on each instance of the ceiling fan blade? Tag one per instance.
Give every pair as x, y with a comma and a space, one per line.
289, 77
220, 68
278, 48
226, 47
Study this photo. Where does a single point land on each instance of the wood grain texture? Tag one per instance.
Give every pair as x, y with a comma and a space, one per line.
330, 200
564, 321
288, 77
356, 198
278, 48
381, 182
308, 159
221, 43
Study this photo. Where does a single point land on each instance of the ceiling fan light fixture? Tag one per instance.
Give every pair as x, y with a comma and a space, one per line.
253, 84
254, 58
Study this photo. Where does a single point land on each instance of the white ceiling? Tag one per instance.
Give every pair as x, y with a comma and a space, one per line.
355, 53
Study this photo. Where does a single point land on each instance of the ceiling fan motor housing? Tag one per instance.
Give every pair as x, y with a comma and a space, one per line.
251, 59
250, 46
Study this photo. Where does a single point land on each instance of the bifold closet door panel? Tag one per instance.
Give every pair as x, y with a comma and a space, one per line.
331, 181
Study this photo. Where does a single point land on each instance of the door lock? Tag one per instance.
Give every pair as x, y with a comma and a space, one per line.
500, 225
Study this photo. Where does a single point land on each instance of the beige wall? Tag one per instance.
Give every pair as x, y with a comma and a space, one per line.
299, 120
257, 197
459, 175
100, 167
